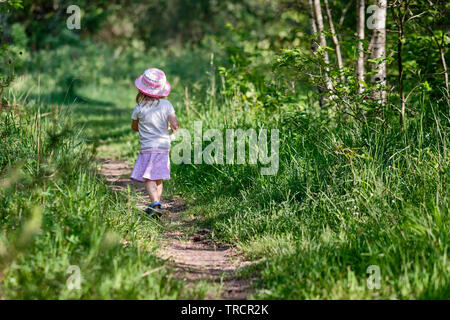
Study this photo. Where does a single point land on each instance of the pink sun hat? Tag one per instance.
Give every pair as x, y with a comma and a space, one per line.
153, 83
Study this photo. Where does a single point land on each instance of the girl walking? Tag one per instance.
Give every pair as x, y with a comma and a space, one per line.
151, 118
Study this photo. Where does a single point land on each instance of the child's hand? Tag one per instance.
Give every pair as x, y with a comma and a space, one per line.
172, 131
173, 123
134, 125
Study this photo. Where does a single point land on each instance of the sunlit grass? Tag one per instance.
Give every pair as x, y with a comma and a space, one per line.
57, 212
345, 197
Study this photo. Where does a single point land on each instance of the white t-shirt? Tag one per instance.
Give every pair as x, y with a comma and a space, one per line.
153, 123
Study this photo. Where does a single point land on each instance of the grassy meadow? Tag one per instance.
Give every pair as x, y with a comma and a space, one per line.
359, 205
347, 195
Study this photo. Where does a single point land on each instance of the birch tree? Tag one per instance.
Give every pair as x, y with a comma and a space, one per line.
400, 10
323, 44
335, 39
312, 22
360, 34
378, 24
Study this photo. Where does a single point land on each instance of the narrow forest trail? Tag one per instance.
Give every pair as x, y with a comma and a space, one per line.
190, 251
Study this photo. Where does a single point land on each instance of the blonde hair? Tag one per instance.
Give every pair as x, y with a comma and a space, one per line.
140, 97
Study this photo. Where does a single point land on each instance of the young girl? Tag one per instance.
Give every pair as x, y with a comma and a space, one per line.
151, 117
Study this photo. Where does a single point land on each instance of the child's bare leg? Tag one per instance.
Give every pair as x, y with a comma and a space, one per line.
160, 188
154, 189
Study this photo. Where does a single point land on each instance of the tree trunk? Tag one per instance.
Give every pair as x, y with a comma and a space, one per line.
344, 12
360, 34
400, 75
444, 65
312, 21
400, 11
379, 52
442, 54
323, 44
335, 40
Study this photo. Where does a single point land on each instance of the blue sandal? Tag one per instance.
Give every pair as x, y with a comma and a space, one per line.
154, 208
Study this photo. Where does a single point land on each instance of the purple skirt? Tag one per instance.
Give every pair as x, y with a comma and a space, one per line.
152, 164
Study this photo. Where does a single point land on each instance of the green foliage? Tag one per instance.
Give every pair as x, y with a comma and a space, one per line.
7, 56
10, 5
56, 212
353, 188
344, 198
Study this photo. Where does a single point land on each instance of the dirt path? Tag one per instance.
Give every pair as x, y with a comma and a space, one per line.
194, 255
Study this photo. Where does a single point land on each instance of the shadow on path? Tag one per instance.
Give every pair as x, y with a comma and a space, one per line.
194, 257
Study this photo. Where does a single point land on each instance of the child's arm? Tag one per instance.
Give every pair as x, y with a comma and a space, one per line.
135, 118
174, 125
134, 125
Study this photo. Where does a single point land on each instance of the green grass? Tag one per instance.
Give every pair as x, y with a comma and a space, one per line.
55, 212
322, 220
346, 196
